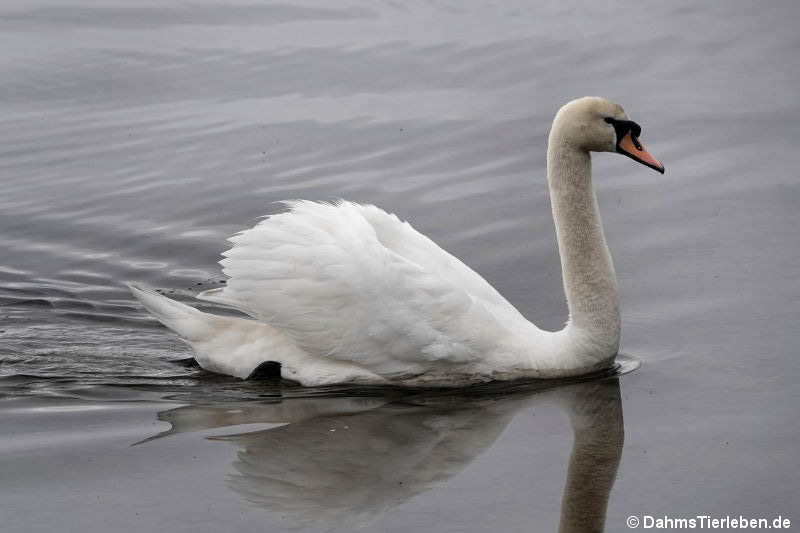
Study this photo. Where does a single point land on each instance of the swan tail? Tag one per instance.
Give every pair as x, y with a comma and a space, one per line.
191, 324
217, 296
240, 347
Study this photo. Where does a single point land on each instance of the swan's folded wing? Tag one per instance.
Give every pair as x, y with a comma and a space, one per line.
321, 274
403, 239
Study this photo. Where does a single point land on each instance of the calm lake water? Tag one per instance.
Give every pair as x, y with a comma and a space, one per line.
135, 137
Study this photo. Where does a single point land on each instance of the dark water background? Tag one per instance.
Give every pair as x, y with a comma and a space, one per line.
135, 137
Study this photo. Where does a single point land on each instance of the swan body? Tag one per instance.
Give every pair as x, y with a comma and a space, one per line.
347, 293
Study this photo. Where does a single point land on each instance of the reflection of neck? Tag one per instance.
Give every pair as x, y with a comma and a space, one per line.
589, 279
599, 435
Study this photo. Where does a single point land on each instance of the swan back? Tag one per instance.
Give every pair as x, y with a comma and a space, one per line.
353, 283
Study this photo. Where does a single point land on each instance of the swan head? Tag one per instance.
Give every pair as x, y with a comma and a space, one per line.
595, 124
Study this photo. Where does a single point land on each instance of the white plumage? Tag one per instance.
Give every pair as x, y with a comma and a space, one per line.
349, 293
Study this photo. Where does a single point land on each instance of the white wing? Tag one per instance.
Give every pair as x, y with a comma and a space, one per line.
354, 283
407, 242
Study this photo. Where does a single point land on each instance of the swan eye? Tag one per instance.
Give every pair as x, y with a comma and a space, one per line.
610, 120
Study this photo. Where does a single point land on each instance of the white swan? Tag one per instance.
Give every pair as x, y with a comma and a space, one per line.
346, 293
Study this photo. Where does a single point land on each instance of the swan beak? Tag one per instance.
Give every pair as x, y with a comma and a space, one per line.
630, 146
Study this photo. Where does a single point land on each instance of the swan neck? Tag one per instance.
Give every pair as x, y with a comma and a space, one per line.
590, 283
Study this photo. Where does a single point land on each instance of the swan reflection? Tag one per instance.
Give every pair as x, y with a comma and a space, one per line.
344, 461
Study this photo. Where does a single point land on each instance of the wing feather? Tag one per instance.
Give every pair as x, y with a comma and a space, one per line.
354, 283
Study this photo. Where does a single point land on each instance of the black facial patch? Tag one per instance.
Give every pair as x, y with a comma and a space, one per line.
624, 126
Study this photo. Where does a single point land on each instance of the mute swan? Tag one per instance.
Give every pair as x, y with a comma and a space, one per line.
347, 293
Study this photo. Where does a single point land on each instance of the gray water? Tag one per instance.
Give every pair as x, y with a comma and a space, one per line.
134, 138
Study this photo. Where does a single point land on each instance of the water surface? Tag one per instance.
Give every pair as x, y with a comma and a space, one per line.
135, 137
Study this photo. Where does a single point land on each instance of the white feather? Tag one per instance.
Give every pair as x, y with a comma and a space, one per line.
353, 283
349, 293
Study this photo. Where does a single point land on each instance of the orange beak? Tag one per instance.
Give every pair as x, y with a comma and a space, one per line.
630, 146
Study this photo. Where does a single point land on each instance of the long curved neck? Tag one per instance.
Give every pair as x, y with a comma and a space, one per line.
588, 272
